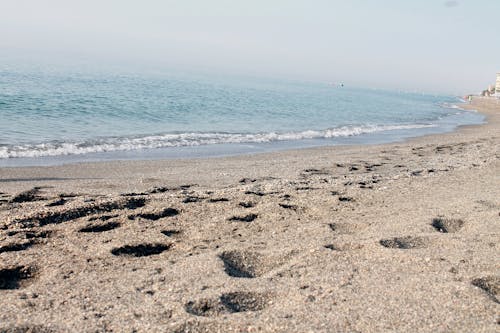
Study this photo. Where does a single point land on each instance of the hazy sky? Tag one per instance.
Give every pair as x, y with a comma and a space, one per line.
430, 45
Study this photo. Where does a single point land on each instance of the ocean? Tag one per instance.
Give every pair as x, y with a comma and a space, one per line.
50, 117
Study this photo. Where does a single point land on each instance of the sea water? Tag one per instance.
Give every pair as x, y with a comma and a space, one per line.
49, 117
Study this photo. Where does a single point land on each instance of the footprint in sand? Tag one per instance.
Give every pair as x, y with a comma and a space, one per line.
171, 232
257, 193
490, 284
141, 250
247, 204
313, 171
192, 199
31, 234
246, 218
247, 180
228, 303
214, 200
344, 246
100, 227
167, 212
405, 243
17, 246
16, 277
28, 196
288, 206
347, 228
447, 225
57, 202
248, 264
45, 218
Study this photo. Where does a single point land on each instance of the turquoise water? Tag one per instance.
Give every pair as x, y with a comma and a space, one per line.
54, 116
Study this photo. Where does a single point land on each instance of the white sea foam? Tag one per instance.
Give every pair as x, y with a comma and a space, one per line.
185, 140
456, 107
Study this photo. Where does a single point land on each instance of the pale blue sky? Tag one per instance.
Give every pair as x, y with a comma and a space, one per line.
429, 45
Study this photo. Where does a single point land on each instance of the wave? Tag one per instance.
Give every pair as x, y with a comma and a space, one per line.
456, 107
185, 140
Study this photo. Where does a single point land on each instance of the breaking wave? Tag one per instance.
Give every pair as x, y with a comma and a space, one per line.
56, 148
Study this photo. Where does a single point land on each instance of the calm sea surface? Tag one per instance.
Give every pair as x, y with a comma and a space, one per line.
52, 118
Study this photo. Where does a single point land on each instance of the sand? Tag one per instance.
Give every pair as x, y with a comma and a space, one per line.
395, 237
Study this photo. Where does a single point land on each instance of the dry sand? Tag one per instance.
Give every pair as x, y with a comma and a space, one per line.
397, 237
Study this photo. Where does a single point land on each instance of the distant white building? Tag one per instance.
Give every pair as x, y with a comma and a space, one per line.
497, 85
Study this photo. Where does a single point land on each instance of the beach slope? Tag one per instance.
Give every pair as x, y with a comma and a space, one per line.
395, 237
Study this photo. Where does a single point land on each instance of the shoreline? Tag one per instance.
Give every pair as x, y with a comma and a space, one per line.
486, 108
223, 150
401, 236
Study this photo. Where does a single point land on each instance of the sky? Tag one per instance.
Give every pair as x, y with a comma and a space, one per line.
424, 45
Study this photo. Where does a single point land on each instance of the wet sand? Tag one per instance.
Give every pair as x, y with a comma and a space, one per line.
394, 237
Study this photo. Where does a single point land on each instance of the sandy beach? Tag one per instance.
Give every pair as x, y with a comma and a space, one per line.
399, 237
